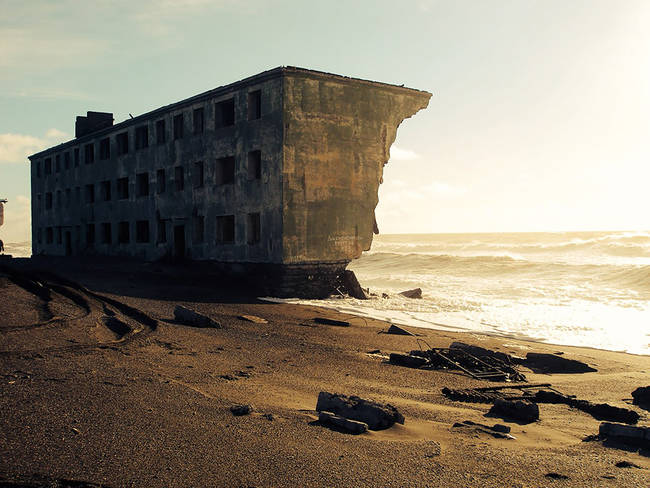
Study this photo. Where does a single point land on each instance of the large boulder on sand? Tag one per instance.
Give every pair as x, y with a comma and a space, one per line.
641, 396
378, 416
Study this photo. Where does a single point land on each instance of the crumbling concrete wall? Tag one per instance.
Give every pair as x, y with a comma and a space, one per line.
337, 136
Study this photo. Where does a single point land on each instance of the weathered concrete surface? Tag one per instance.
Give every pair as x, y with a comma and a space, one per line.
377, 416
337, 137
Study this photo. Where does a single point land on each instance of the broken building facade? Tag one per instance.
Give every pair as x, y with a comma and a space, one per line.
277, 174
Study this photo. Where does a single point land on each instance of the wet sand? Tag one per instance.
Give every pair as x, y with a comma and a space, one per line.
92, 390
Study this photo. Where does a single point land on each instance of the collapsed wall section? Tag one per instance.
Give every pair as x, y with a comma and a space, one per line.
337, 136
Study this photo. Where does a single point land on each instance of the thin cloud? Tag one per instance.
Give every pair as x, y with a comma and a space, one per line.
399, 154
14, 148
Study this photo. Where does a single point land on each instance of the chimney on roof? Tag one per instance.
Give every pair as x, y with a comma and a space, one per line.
91, 122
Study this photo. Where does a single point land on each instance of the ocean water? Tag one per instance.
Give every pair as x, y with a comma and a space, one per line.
573, 288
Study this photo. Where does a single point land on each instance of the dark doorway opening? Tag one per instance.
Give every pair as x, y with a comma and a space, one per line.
179, 241
68, 244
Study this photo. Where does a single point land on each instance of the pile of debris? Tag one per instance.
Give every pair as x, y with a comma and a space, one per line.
542, 393
355, 415
477, 362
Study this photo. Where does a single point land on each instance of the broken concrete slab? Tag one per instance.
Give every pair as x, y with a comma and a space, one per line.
326, 321
414, 293
188, 316
349, 425
497, 431
552, 363
518, 410
239, 410
407, 360
253, 318
351, 285
394, 329
600, 411
608, 429
378, 416
641, 396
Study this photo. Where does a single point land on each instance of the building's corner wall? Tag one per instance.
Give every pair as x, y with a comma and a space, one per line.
338, 134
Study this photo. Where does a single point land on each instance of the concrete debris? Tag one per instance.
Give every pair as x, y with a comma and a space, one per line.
481, 352
641, 396
326, 321
518, 410
351, 285
349, 425
627, 464
253, 318
600, 411
556, 476
239, 410
608, 429
498, 431
407, 360
378, 416
188, 316
394, 329
414, 293
552, 363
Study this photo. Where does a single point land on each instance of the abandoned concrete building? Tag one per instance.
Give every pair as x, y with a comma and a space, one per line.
277, 173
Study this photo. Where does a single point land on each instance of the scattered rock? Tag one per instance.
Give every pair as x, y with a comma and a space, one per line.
228, 377
326, 321
414, 293
627, 464
374, 351
556, 476
551, 363
244, 374
188, 316
624, 432
377, 416
351, 285
239, 410
394, 329
519, 410
385, 295
407, 360
253, 318
498, 431
641, 396
269, 417
352, 426
600, 411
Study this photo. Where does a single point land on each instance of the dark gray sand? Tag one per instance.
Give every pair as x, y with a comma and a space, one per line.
91, 391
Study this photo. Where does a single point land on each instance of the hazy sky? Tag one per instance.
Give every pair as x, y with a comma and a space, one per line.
540, 118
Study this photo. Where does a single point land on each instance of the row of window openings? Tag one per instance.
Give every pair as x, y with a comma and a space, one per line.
225, 174
225, 231
224, 117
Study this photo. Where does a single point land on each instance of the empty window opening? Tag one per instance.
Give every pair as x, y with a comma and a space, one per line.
253, 234
48, 200
225, 170
66, 160
142, 184
68, 197
178, 126
123, 188
48, 166
57, 162
106, 190
225, 229
162, 231
105, 148
161, 134
90, 193
123, 233
89, 153
255, 165
90, 234
179, 178
255, 105
160, 181
122, 140
49, 235
142, 231
198, 229
142, 137
106, 233
59, 236
198, 120
76, 156
59, 199
224, 113
197, 174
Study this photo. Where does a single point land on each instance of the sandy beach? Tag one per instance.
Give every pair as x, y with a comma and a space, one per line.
102, 386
